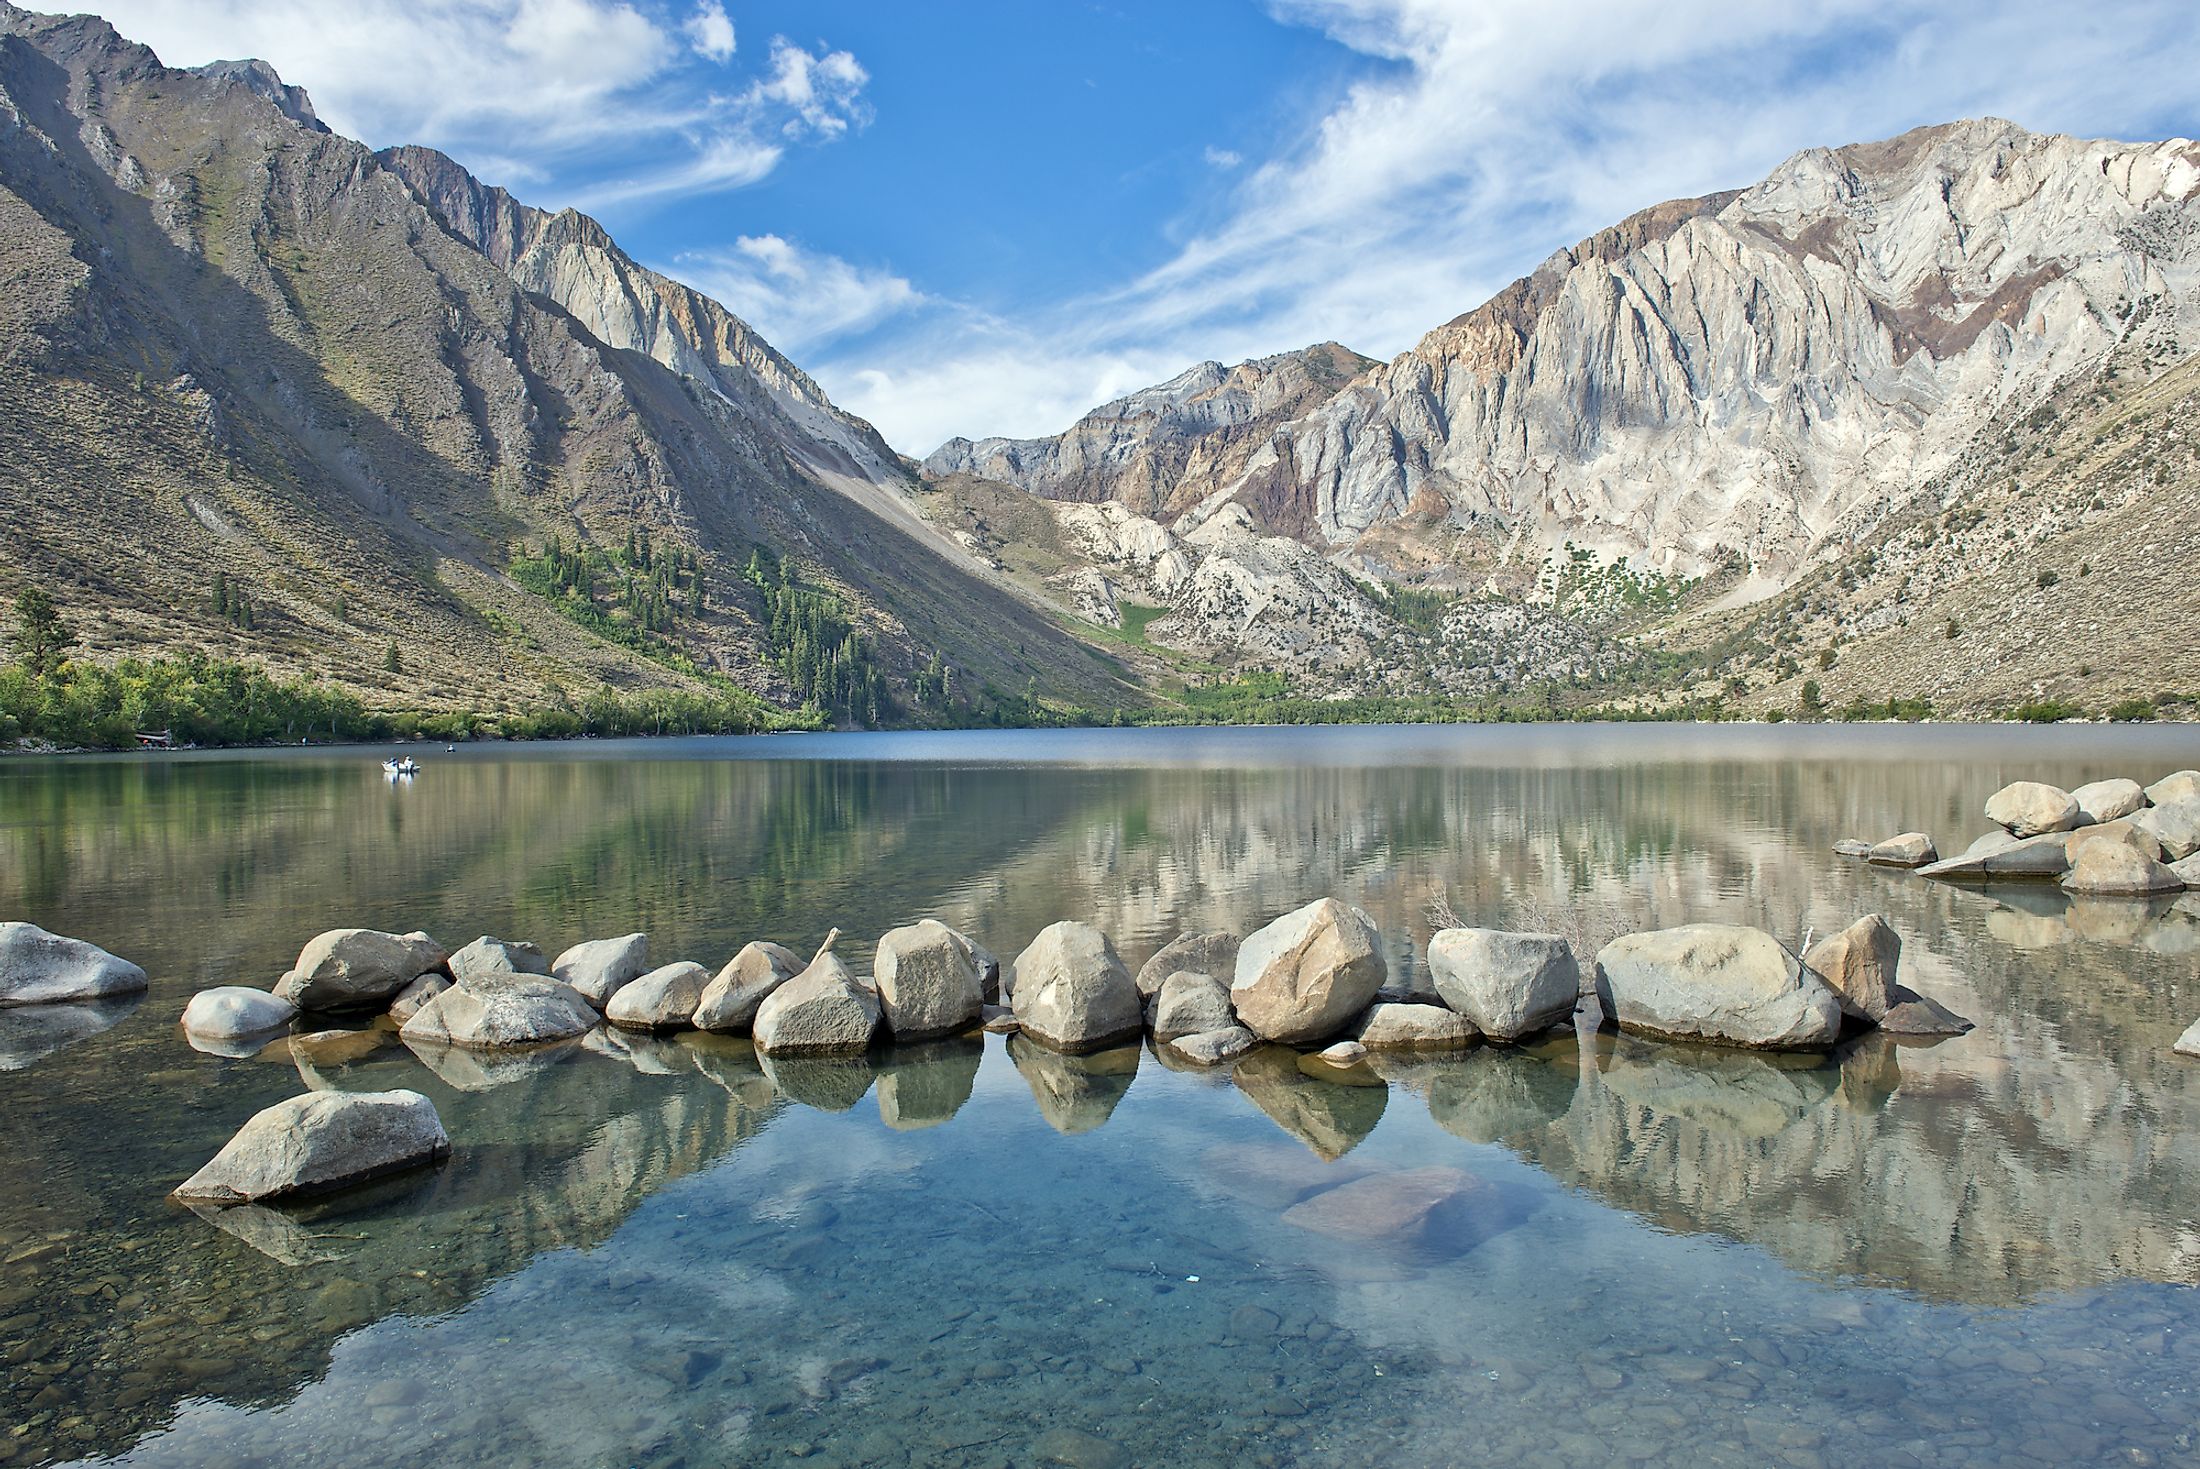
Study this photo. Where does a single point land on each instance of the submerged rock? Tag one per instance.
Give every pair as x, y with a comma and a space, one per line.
730, 1001
1911, 849
1715, 982
928, 981
1307, 975
1510, 985
2107, 800
358, 968
494, 1010
2112, 869
1212, 952
1408, 1027
1384, 1208
1072, 993
820, 1012
2027, 808
598, 967
1859, 965
41, 968
1851, 847
234, 1010
487, 955
1213, 1047
320, 1142
663, 999
1190, 1004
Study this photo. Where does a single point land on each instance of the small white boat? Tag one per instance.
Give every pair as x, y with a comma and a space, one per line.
395, 767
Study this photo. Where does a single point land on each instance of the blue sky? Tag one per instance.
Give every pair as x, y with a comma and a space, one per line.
986, 216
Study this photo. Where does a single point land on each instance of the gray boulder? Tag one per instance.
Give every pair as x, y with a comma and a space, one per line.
1072, 993
2182, 785
1859, 964
988, 967
1213, 952
1510, 985
1406, 1027
2187, 870
820, 1012
2188, 1044
320, 1142
1851, 847
2026, 808
1911, 849
41, 968
2107, 800
663, 999
2175, 824
414, 997
487, 955
999, 1020
1715, 982
928, 981
1913, 1015
2123, 830
730, 1001
234, 1010
491, 1011
1307, 975
1213, 1047
598, 967
358, 968
1999, 855
2114, 870
1191, 1004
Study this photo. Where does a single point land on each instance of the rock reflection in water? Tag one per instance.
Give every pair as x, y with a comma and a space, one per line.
828, 1083
1074, 1093
1330, 1117
925, 1085
31, 1033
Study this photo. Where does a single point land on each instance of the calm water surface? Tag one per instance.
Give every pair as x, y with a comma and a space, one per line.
673, 1253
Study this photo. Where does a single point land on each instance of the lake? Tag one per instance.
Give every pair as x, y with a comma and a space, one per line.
668, 1252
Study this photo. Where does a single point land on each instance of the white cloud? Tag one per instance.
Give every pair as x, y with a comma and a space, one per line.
710, 32
823, 93
797, 298
1223, 158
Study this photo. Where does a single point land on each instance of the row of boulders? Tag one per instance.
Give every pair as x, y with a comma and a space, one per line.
2109, 838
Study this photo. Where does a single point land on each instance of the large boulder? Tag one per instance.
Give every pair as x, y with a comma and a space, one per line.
2107, 800
487, 955
41, 968
2175, 824
1510, 985
414, 997
1307, 975
988, 967
1913, 1015
2123, 830
1998, 854
1410, 1027
2187, 870
2026, 808
1910, 849
234, 1010
358, 968
1072, 993
730, 1001
1191, 1004
928, 981
320, 1142
2182, 785
1715, 982
663, 999
820, 1012
1858, 964
2114, 870
1212, 952
491, 1011
598, 967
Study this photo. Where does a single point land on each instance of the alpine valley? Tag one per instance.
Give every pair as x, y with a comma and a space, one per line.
1906, 425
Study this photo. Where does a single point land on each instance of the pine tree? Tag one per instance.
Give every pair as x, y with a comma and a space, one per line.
390, 661
41, 635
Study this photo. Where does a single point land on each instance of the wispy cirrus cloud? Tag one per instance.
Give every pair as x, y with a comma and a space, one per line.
799, 299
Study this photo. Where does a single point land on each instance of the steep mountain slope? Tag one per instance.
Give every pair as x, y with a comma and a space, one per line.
358, 388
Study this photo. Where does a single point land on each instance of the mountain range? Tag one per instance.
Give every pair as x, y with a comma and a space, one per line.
1907, 420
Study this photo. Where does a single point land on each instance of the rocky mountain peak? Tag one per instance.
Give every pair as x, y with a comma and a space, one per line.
259, 78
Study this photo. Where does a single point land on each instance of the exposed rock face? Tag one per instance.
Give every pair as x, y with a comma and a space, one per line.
39, 968
320, 1142
989, 968
357, 968
1715, 982
487, 955
2114, 870
1191, 1004
1911, 849
235, 1010
1212, 952
820, 1012
1305, 976
663, 999
1213, 1047
1072, 993
2108, 800
2181, 785
2175, 824
1407, 1027
494, 1010
597, 967
731, 1000
1510, 985
2026, 808
1859, 965
928, 982
414, 997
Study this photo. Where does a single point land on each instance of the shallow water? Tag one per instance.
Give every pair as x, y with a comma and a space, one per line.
670, 1252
